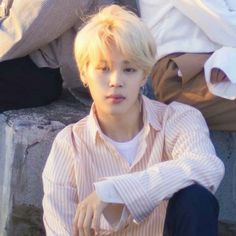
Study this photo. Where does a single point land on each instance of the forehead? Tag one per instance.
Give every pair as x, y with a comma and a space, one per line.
110, 56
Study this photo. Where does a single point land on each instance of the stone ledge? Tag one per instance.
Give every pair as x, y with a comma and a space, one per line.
225, 145
25, 140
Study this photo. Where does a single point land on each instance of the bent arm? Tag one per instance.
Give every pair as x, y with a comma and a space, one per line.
60, 194
216, 18
193, 160
32, 24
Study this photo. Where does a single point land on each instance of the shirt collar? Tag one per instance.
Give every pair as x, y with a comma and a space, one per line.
150, 117
150, 113
93, 126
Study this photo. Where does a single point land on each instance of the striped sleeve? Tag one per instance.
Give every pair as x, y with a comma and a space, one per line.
192, 159
60, 194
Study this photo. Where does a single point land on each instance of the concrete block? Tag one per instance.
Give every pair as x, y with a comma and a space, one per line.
25, 140
225, 145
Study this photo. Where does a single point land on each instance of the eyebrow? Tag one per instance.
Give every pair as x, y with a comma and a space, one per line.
125, 62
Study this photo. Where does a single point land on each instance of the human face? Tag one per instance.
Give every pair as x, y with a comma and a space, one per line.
114, 84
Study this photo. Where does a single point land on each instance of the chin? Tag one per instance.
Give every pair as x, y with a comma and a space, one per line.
116, 111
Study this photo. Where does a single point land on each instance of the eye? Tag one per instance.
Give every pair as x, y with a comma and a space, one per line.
129, 69
103, 68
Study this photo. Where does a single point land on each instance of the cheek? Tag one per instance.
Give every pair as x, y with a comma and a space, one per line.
136, 84
96, 85
96, 89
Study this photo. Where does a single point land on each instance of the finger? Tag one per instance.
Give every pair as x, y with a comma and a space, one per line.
96, 221
214, 75
218, 76
81, 232
224, 77
78, 221
75, 222
214, 72
81, 217
87, 224
85, 232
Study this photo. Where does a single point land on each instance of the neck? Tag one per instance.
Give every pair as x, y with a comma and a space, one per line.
122, 128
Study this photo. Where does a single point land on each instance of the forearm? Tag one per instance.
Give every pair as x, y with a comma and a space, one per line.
143, 191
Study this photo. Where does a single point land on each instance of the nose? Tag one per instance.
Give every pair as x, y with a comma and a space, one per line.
116, 79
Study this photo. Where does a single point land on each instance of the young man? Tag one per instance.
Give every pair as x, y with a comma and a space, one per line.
186, 34
116, 171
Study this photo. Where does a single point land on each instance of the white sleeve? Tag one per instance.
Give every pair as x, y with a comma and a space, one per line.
107, 193
217, 18
225, 60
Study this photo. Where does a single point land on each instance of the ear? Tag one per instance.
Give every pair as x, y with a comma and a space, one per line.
83, 77
144, 80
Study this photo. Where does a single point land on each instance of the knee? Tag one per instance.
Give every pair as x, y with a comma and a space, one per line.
192, 211
196, 201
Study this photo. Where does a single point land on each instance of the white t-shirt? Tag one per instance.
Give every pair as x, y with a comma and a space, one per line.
127, 149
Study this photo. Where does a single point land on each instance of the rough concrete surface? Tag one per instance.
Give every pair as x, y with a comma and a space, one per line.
225, 145
25, 140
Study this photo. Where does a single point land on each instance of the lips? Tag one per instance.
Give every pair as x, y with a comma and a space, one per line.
116, 98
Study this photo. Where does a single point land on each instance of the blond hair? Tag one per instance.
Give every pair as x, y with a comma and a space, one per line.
114, 25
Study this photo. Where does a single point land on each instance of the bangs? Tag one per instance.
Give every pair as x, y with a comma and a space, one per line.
133, 50
113, 27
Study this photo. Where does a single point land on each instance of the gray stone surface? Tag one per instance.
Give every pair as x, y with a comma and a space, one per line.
25, 141
225, 145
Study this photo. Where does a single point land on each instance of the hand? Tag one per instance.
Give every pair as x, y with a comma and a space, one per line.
88, 214
218, 76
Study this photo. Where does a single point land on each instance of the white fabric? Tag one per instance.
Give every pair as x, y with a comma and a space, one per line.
223, 59
195, 26
127, 149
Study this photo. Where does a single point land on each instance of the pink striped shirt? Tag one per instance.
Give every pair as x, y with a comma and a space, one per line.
174, 152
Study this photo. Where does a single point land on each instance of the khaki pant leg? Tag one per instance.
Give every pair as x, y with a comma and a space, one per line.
220, 113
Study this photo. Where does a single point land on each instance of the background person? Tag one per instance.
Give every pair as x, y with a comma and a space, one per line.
196, 49
36, 48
